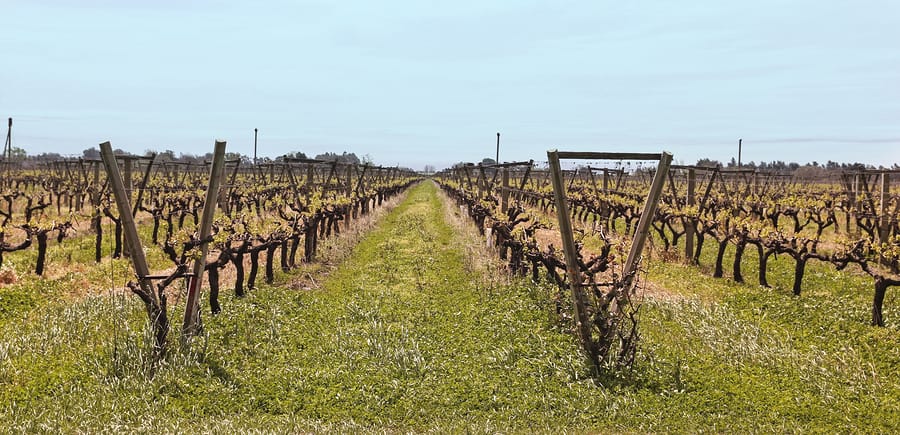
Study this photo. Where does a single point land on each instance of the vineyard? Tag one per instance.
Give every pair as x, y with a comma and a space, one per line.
595, 291
851, 220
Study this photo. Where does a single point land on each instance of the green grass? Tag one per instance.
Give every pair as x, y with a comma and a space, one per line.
406, 336
70, 272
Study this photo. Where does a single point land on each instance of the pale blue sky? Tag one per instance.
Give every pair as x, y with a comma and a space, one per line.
418, 82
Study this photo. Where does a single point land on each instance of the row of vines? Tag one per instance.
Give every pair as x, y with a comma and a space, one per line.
848, 221
268, 216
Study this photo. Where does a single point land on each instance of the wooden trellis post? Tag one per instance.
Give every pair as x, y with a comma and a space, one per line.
643, 228
573, 273
126, 162
144, 182
884, 231
192, 307
504, 193
129, 228
583, 323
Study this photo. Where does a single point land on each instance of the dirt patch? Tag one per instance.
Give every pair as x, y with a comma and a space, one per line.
655, 291
8, 276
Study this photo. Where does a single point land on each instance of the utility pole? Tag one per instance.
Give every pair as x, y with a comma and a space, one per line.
497, 157
7, 147
739, 152
255, 134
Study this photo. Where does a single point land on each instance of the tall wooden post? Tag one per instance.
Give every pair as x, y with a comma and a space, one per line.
504, 193
128, 177
222, 199
573, 273
97, 182
255, 136
479, 181
349, 192
192, 307
689, 228
128, 189
884, 214
756, 182
144, 182
130, 229
643, 226
604, 204
7, 146
857, 206
854, 185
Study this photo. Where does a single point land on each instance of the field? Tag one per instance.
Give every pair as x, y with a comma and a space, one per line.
359, 299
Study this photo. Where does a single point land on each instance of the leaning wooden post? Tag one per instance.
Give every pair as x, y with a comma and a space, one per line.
643, 227
154, 302
128, 226
573, 273
688, 221
144, 182
128, 189
192, 308
231, 186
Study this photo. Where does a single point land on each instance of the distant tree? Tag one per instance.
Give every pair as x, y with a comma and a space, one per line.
488, 161
91, 153
708, 162
192, 158
245, 160
43, 157
340, 158
18, 154
777, 165
292, 155
856, 166
166, 156
429, 169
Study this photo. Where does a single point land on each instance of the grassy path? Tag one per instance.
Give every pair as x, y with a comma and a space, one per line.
400, 337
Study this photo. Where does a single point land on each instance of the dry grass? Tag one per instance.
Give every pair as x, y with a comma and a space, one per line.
334, 250
481, 262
